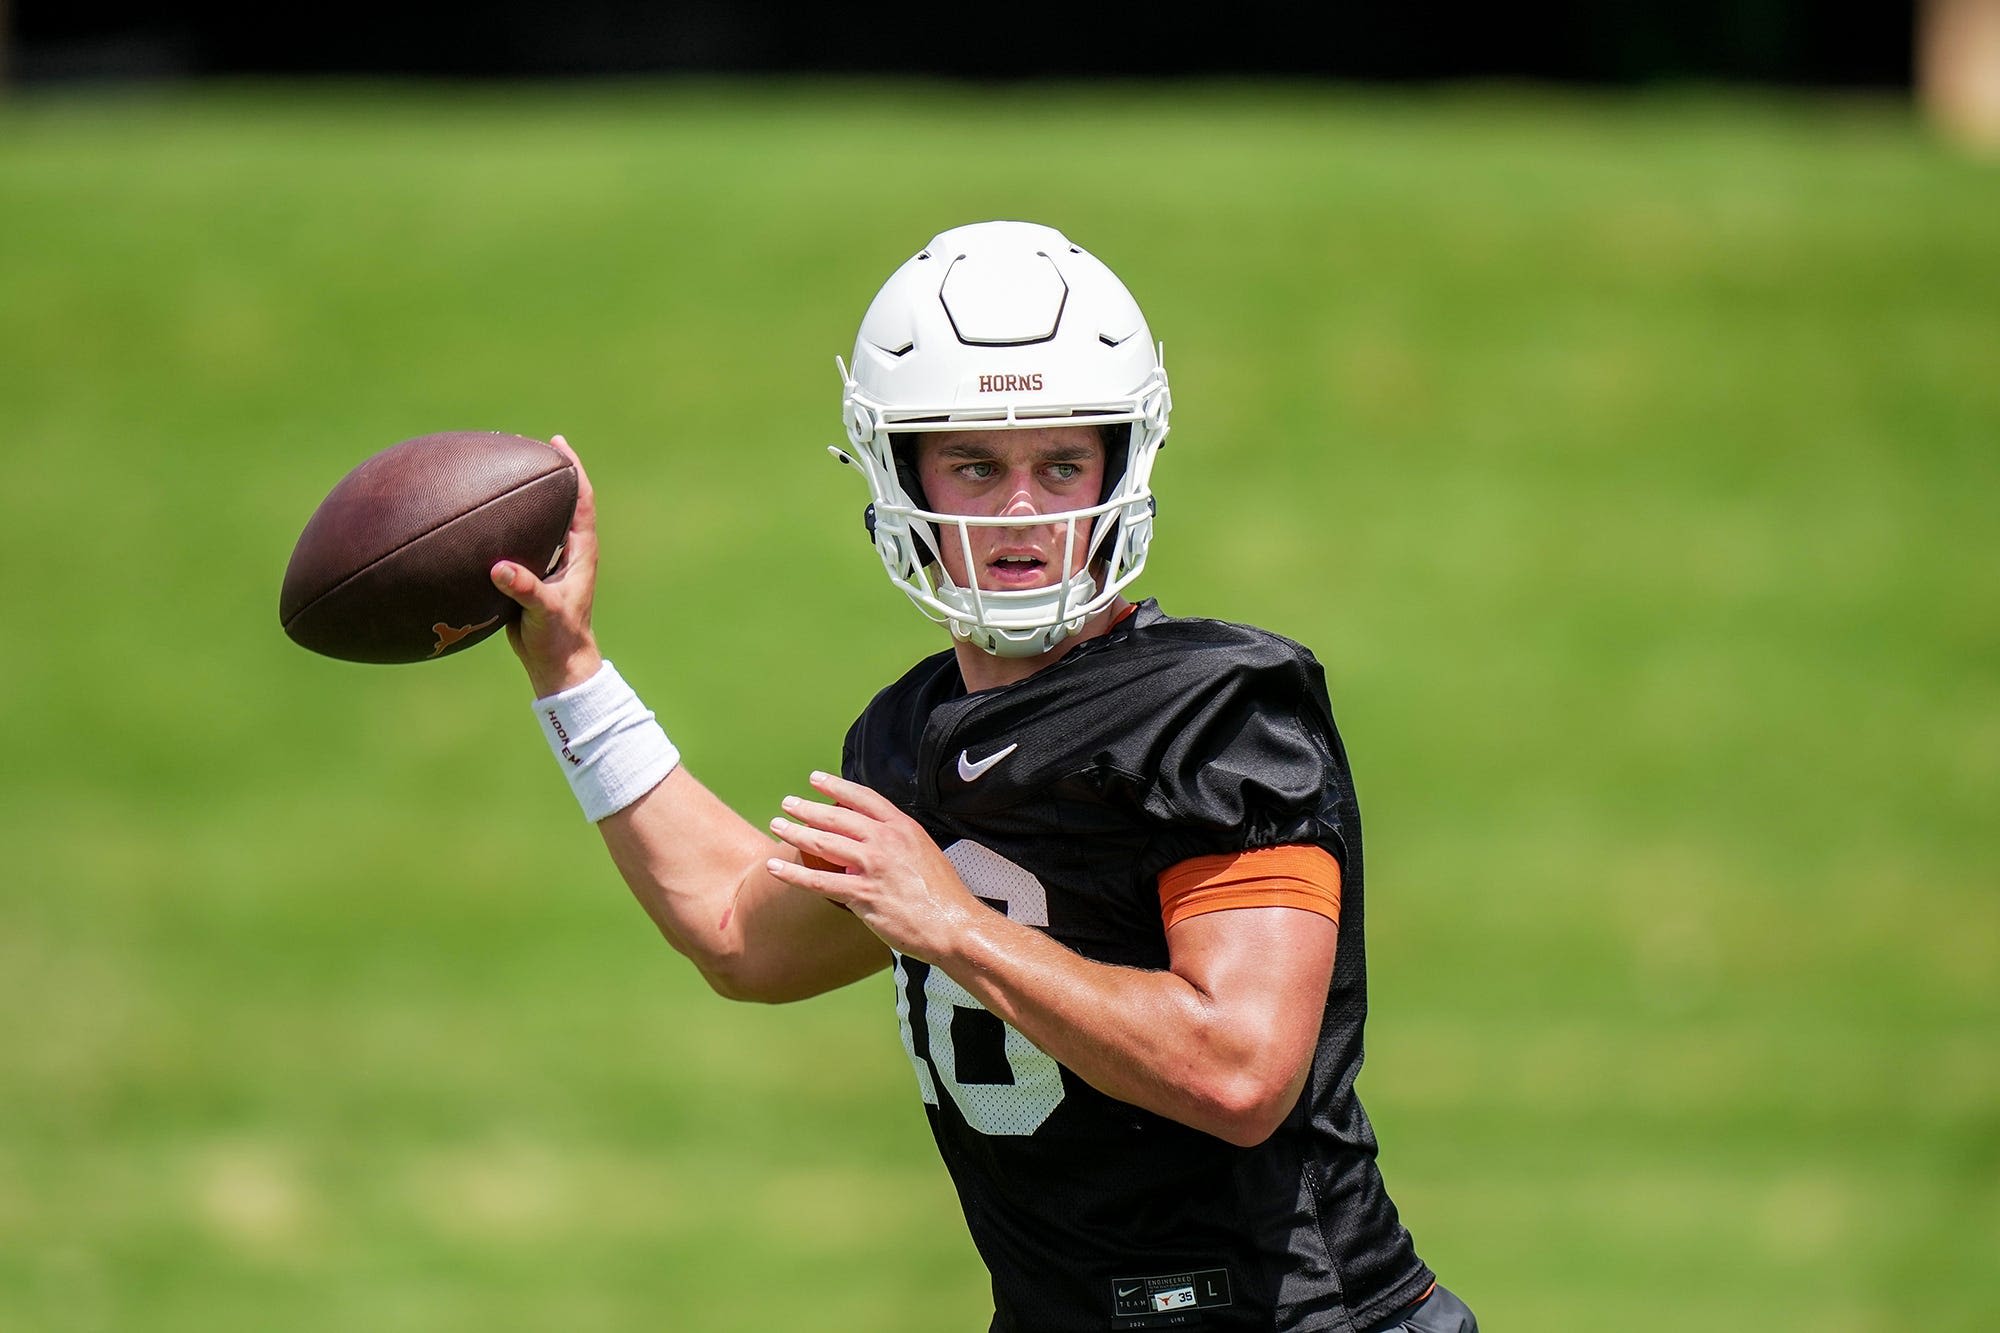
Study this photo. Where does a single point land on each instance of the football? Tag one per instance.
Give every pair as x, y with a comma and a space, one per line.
392, 566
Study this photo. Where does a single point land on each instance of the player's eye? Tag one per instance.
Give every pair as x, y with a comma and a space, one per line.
977, 471
1065, 471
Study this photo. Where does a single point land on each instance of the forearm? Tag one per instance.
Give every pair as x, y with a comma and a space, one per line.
1222, 1040
698, 870
686, 857
1155, 1039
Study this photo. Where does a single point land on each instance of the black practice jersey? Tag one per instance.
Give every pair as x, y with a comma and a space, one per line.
1060, 799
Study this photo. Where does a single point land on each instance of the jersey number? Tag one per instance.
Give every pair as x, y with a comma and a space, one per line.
1000, 1081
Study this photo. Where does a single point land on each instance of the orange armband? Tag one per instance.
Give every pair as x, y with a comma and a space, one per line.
1307, 878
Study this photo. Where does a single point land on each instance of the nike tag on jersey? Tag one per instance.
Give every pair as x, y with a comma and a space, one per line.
970, 771
1168, 1300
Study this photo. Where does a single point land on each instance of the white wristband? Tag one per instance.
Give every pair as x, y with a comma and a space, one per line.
611, 749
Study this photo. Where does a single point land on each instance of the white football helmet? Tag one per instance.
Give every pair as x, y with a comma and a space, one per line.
1005, 325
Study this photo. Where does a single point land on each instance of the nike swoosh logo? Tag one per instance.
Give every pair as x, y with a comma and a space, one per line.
972, 772
1129, 1291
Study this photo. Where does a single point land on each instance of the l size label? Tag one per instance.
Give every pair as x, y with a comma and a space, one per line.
1168, 1299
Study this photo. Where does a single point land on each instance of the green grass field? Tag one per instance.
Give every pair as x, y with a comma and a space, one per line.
1630, 463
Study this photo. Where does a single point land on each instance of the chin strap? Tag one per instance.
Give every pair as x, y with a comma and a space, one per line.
1023, 641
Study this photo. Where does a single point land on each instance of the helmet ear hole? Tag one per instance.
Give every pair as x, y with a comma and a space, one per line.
1117, 454
904, 448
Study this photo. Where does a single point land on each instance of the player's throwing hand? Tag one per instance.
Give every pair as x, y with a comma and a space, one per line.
553, 637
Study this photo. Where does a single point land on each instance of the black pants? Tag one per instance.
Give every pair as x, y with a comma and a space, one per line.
1439, 1312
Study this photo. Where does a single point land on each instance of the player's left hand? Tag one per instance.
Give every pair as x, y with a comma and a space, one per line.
894, 878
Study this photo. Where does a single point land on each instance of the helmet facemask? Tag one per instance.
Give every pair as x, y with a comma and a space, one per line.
1103, 546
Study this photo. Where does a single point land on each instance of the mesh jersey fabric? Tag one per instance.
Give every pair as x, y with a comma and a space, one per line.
1060, 799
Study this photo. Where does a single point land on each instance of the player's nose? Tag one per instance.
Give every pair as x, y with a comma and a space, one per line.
1022, 505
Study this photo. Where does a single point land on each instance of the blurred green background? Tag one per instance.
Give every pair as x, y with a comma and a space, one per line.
1629, 462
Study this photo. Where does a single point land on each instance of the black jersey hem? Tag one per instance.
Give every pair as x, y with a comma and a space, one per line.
1389, 1301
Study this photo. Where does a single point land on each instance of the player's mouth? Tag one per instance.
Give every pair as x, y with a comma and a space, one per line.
1016, 570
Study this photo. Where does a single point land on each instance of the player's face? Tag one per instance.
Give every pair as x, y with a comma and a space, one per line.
1008, 474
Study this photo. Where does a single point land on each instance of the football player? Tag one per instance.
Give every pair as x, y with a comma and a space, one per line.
1111, 858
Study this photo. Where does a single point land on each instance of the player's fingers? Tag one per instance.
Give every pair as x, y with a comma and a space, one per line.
586, 494
580, 546
855, 796
832, 847
831, 818
541, 600
828, 884
580, 542
519, 583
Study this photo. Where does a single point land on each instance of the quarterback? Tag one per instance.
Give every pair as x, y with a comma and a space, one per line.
1110, 858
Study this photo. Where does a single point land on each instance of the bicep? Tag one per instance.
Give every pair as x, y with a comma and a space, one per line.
1264, 973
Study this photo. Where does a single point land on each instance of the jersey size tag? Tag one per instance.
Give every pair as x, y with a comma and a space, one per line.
1168, 1300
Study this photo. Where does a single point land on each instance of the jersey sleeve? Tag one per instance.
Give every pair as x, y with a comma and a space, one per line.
1248, 757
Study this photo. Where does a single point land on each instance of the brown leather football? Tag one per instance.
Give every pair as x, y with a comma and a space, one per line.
392, 566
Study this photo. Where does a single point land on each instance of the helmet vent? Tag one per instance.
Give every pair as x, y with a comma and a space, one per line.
1001, 300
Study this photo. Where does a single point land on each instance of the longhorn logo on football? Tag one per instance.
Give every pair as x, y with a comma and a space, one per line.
447, 636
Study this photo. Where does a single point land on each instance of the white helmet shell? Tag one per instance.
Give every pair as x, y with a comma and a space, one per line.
1007, 325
